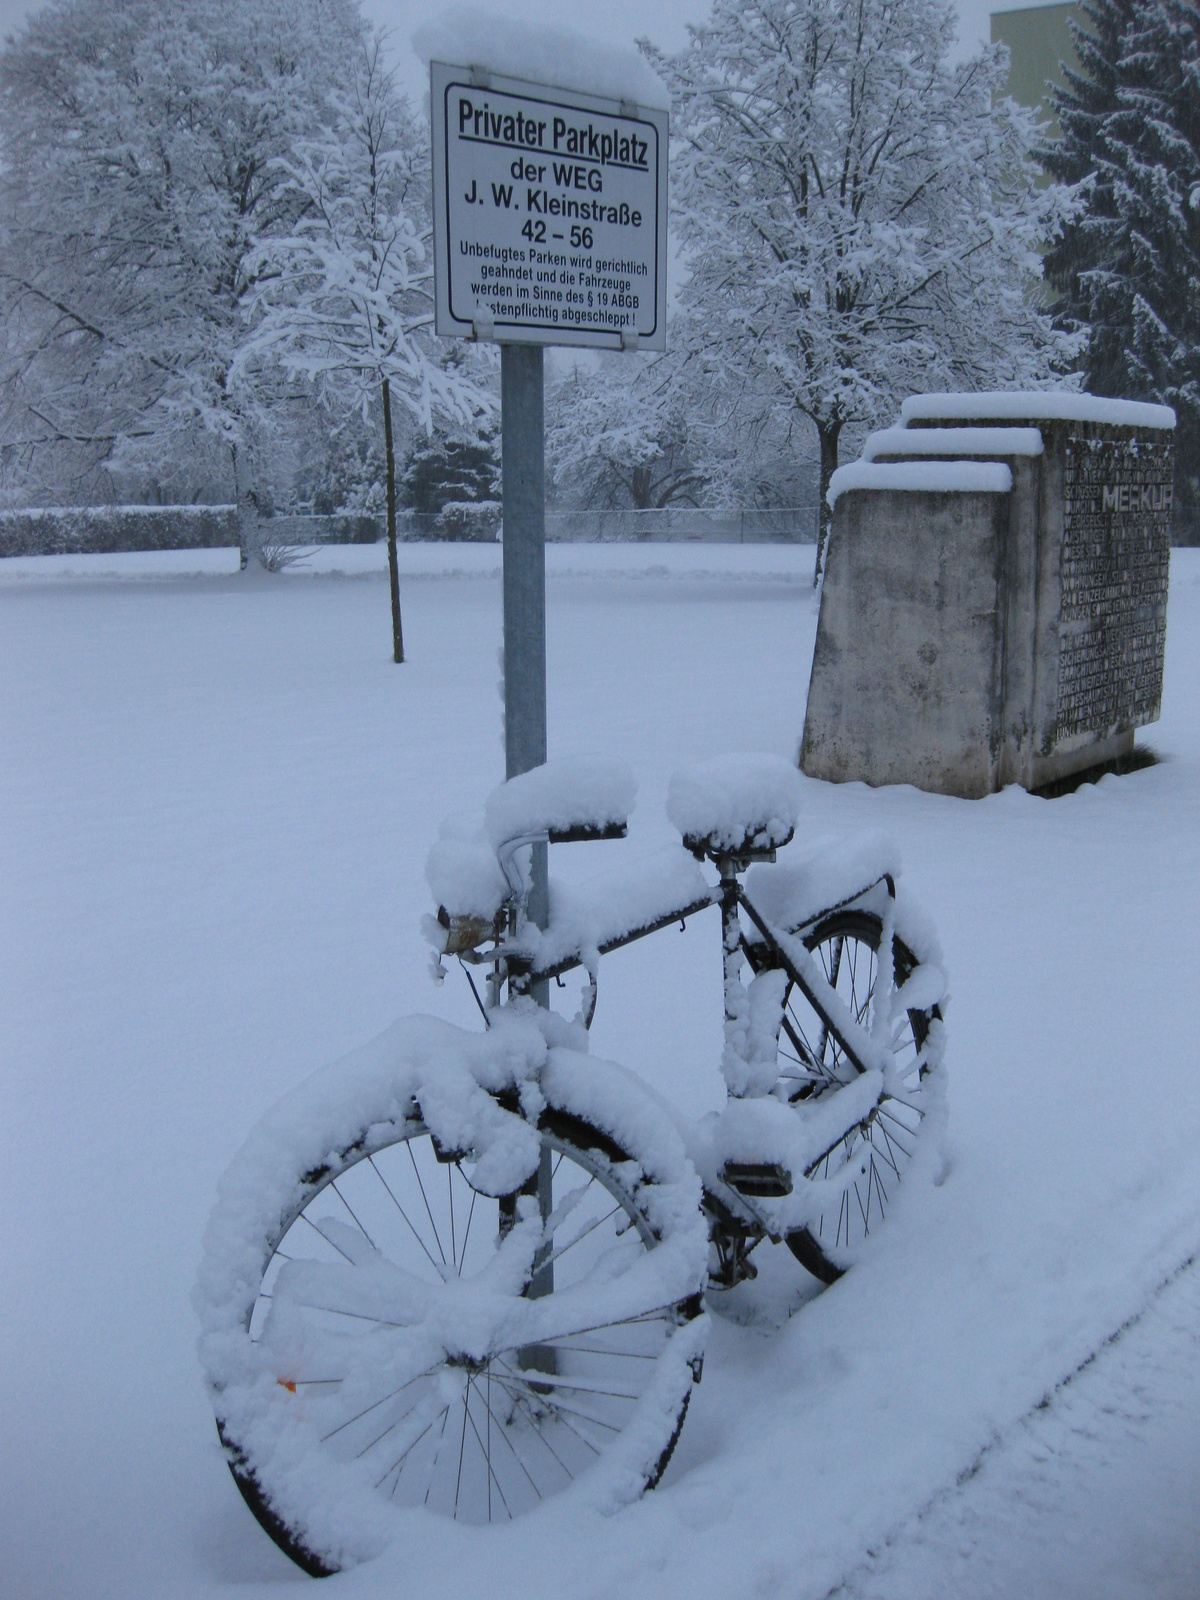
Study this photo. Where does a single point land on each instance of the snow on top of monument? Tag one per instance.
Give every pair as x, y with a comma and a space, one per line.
1039, 405
922, 477
953, 442
467, 37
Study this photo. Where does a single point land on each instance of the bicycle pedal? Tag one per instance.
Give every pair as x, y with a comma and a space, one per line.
758, 1180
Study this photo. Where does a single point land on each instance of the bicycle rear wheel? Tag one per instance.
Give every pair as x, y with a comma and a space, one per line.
811, 1063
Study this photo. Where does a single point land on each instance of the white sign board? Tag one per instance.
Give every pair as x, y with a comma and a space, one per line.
550, 214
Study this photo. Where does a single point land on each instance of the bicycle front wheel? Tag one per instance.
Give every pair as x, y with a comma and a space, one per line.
811, 1063
414, 1341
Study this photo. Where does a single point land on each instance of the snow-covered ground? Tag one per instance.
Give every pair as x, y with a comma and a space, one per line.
217, 794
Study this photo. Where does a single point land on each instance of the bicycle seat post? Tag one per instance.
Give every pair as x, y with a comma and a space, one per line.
728, 868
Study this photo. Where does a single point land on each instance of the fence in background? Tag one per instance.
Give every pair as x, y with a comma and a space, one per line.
685, 524
101, 530
673, 524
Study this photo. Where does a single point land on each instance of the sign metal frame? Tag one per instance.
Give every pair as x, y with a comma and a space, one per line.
546, 290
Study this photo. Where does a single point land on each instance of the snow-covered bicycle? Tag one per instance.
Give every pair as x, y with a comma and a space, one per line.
466, 1271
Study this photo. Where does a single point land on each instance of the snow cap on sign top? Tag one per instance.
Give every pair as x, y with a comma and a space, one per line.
733, 799
465, 36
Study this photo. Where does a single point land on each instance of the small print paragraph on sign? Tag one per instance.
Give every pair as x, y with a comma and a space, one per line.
550, 214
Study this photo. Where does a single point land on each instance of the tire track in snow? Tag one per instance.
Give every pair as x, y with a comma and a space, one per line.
1093, 1495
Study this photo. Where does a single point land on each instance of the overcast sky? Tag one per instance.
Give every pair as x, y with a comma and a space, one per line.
615, 20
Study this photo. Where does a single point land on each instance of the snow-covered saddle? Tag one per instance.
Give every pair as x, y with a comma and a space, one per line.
745, 806
473, 867
564, 801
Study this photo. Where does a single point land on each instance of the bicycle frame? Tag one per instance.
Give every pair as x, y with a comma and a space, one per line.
737, 1223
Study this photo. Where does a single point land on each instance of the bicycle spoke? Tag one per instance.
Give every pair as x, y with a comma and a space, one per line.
467, 1229
516, 1453
861, 1212
534, 1385
646, 1318
831, 972
359, 1316
320, 1235
591, 1350
375, 1404
888, 1155
550, 1380
461, 1448
402, 1211
554, 1406
555, 1255
437, 1456
884, 1198
895, 1144
403, 1457
572, 1429
436, 1237
391, 1428
350, 1209
899, 1100
487, 1458
540, 1436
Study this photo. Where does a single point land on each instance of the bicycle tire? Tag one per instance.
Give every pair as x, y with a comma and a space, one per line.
813, 1060
377, 1269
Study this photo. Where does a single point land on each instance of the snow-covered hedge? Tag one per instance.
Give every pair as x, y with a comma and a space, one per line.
100, 530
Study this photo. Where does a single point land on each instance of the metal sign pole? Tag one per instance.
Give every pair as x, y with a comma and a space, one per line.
523, 492
549, 227
524, 509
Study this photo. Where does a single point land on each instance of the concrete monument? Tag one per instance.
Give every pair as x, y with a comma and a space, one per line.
994, 604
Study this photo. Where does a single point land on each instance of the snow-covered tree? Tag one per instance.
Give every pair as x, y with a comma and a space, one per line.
343, 468
344, 299
445, 470
138, 141
619, 434
1128, 267
860, 219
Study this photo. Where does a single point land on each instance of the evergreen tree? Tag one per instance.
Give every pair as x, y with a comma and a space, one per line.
443, 471
1128, 268
1083, 104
